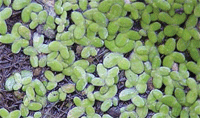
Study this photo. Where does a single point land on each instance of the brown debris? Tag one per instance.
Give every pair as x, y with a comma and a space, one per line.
150, 84
37, 71
175, 67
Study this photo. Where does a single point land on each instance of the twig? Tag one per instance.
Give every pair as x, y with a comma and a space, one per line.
50, 109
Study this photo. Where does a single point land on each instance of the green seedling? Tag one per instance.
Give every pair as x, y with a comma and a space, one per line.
109, 94
5, 114
37, 19
83, 4
39, 87
60, 56
20, 4
196, 9
5, 2
106, 76
53, 80
53, 96
127, 94
4, 14
128, 114
62, 22
113, 9
168, 48
58, 7
30, 93
17, 80
31, 8
113, 59
77, 71
164, 5
24, 110
68, 88
19, 37
34, 106
37, 48
71, 5
87, 51
37, 115
89, 92
76, 112
82, 107
66, 37
49, 26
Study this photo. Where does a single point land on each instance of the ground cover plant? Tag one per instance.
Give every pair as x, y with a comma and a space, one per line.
99, 58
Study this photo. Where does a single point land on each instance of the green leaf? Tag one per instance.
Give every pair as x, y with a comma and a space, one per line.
55, 65
15, 114
30, 51
83, 4
106, 105
169, 100
49, 75
81, 84
115, 12
42, 16
68, 88
164, 5
79, 32
39, 87
191, 96
53, 96
37, 115
10, 82
124, 64
191, 21
4, 112
111, 60
76, 112
19, 4
51, 85
3, 29
98, 82
77, 18
64, 53
34, 106
59, 77
37, 40
34, 61
138, 101
127, 94
24, 110
8, 38
196, 10
30, 93
170, 30
54, 46
5, 13
113, 72
79, 72
24, 32
101, 70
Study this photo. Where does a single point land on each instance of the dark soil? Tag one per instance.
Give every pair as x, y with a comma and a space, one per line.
10, 63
